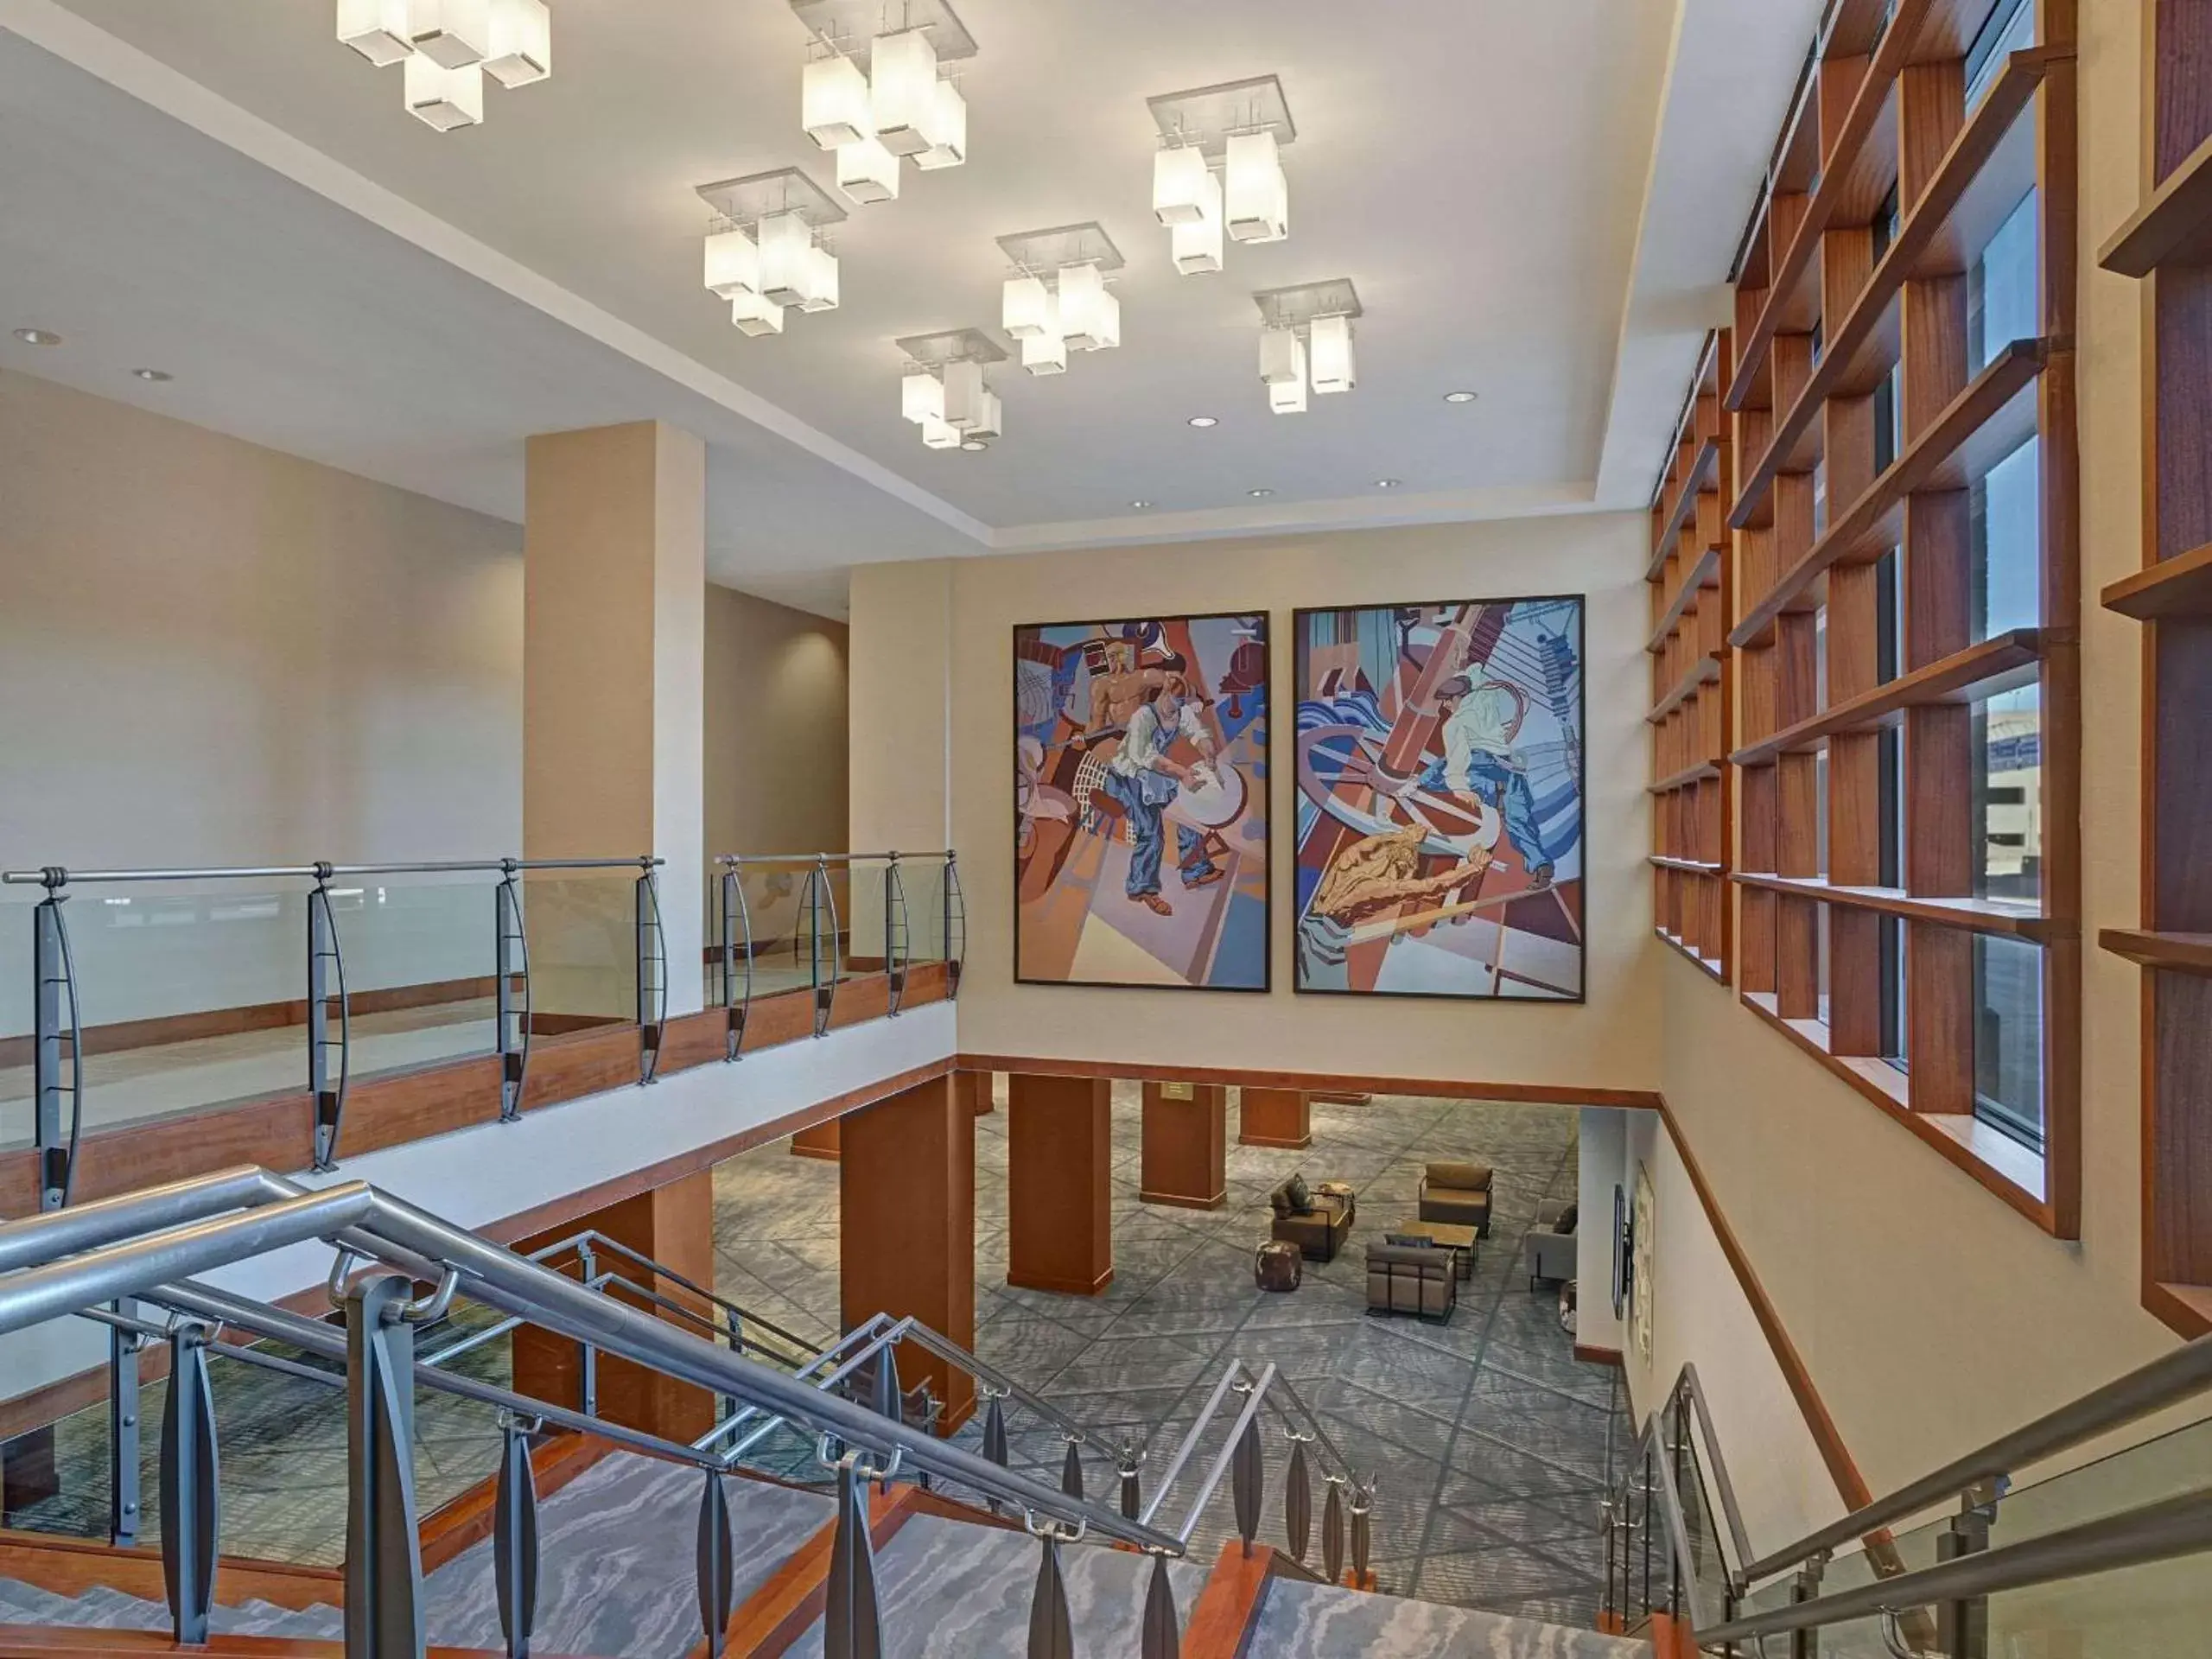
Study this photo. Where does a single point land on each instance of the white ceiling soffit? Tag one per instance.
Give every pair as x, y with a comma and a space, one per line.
1477, 172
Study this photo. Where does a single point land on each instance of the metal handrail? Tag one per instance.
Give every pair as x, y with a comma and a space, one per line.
600, 1241
122, 1259
821, 858
1221, 1459
308, 872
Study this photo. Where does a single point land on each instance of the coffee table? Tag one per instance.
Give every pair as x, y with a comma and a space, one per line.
1462, 1241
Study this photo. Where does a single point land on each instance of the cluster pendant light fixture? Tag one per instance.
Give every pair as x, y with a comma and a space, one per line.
764, 250
943, 391
1057, 300
1305, 342
1241, 125
446, 48
898, 107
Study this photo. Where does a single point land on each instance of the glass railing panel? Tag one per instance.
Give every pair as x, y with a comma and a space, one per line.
1701, 1532
422, 960
779, 917
583, 928
2166, 1466
2161, 1608
18, 1090
192, 996
70, 1498
872, 927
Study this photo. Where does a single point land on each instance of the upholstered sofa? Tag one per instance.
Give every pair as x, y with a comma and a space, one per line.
1317, 1222
1416, 1279
1458, 1193
1549, 1245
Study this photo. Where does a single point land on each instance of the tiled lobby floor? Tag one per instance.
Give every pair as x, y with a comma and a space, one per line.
1490, 1444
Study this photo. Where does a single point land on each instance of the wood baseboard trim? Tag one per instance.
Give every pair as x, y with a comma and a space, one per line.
1062, 1286
1592, 1356
1184, 1201
1297, 1145
1318, 1083
824, 1154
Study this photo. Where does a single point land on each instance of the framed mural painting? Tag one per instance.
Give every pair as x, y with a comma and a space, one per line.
1439, 799
1140, 803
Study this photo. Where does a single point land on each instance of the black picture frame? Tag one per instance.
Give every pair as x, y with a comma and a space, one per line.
1265, 619
1298, 648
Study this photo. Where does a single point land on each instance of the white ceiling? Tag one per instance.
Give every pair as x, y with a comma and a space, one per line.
1535, 201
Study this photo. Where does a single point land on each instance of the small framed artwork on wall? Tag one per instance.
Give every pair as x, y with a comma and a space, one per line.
1439, 799
1140, 833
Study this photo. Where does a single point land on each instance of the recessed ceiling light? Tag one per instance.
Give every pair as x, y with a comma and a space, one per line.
38, 337
1259, 493
974, 446
1139, 504
1459, 397
153, 375
1204, 420
1386, 483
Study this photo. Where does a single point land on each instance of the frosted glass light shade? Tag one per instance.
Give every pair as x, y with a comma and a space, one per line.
1289, 398
902, 90
833, 102
990, 419
1333, 368
820, 270
1044, 354
946, 130
866, 172
1179, 176
1025, 309
963, 395
938, 435
1257, 197
452, 34
522, 43
1082, 288
1197, 245
733, 264
753, 315
787, 247
1106, 322
1281, 357
375, 28
442, 98
921, 397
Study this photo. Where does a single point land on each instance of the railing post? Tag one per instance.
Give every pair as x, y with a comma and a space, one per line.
652, 973
1362, 1505
1246, 1475
191, 1492
1051, 1629
122, 1484
513, 964
384, 1558
1806, 1587
852, 1619
326, 982
737, 919
894, 914
1963, 1627
717, 1580
1126, 1465
1332, 1528
1297, 1498
1163, 1630
588, 1358
818, 897
949, 895
1071, 1465
54, 982
514, 1540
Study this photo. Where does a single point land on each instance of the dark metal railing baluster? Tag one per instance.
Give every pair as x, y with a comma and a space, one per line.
514, 1540
955, 915
737, 921
852, 1619
1051, 1630
1333, 1530
895, 947
191, 1492
513, 971
1297, 1499
716, 1565
1362, 1503
652, 973
327, 983
1246, 1475
884, 1385
1072, 1467
384, 1557
53, 979
123, 1495
1163, 1630
1126, 1465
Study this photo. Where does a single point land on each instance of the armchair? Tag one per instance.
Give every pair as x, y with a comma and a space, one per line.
1319, 1229
1458, 1193
1550, 1245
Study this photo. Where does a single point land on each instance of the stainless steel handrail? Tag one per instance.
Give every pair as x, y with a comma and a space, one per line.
821, 858
1730, 1510
1190, 1437
600, 1241
1221, 1459
309, 872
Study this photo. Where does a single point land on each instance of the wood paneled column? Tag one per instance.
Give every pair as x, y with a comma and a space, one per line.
675, 1226
1184, 1162
1274, 1117
1059, 1158
906, 1227
974, 1087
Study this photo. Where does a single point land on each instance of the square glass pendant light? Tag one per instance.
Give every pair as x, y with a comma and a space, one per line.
733, 264
787, 247
868, 172
442, 98
902, 91
963, 395
1282, 356
522, 43
452, 34
939, 435
1289, 397
1179, 177
990, 416
1083, 294
946, 130
819, 268
921, 397
1257, 197
1043, 354
834, 102
1025, 309
378, 29
1333, 369
753, 315
1196, 246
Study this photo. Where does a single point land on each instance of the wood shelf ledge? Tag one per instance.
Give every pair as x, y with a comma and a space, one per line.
2178, 953
1706, 573
1969, 915
1686, 866
1991, 418
2003, 662
1704, 671
1703, 466
2174, 227
1702, 771
2181, 586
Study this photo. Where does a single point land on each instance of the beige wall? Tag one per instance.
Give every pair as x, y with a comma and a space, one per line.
776, 775
211, 652
1612, 1040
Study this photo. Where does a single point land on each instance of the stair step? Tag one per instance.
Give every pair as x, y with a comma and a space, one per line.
1319, 1621
955, 1590
101, 1608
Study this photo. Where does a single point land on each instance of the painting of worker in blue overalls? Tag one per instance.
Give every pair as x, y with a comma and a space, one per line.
1439, 799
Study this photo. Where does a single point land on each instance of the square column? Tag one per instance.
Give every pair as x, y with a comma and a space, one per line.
1185, 1160
1274, 1117
907, 1228
976, 1088
614, 592
1059, 1157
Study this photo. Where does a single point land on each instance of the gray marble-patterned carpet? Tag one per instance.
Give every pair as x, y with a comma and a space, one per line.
1492, 1444
1317, 1619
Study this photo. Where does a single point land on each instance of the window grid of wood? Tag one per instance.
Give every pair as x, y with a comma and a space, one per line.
1691, 718
2167, 244
1852, 337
